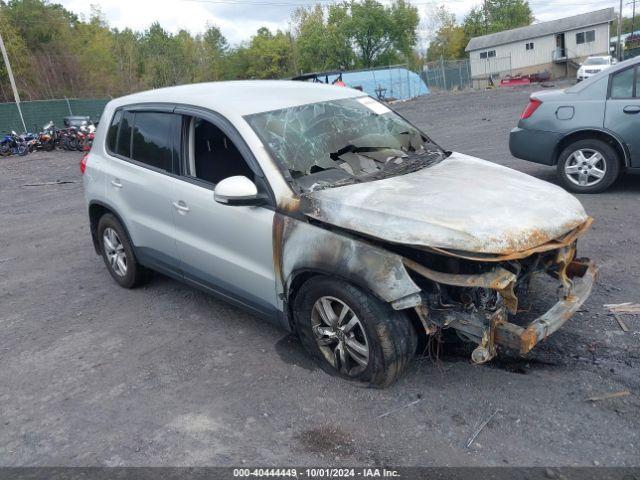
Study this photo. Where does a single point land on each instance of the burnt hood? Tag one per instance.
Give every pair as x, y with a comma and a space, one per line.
462, 203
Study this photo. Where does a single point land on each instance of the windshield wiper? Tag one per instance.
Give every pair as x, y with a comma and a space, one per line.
391, 169
353, 149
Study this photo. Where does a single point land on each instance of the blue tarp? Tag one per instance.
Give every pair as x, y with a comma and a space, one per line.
395, 82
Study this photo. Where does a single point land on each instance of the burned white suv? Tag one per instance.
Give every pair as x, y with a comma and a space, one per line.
328, 213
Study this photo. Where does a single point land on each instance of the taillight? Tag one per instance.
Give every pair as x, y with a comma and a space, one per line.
531, 107
83, 162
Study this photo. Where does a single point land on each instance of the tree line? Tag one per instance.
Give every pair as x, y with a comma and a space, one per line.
56, 54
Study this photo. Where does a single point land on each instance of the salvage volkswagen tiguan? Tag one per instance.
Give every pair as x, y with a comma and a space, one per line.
328, 213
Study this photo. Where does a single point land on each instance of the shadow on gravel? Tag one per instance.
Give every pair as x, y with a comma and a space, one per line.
291, 352
626, 183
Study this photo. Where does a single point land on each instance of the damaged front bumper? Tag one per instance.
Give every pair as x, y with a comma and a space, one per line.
489, 328
524, 339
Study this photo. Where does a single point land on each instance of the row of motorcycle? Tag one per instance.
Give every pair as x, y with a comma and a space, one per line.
74, 137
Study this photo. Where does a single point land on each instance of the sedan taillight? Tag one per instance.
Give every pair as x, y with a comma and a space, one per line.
531, 107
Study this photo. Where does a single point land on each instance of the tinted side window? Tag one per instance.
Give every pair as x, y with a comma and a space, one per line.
622, 84
112, 133
123, 146
152, 139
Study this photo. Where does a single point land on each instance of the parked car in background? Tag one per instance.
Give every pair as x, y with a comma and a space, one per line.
593, 65
325, 211
590, 131
77, 121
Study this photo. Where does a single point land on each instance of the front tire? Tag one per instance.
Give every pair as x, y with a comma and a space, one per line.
117, 253
588, 166
353, 334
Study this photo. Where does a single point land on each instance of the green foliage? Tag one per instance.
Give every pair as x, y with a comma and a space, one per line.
627, 25
450, 39
497, 15
55, 54
16, 49
315, 40
377, 29
271, 55
356, 34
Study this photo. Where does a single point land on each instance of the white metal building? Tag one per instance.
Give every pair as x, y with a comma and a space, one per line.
556, 47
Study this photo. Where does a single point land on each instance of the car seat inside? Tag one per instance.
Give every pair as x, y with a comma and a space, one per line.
212, 155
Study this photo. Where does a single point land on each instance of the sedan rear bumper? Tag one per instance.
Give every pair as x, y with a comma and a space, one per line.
534, 145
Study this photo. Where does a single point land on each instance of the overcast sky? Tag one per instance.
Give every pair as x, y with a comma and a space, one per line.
239, 19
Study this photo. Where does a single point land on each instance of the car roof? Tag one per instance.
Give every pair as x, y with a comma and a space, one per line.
242, 97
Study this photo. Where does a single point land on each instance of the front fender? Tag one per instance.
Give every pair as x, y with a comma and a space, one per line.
301, 246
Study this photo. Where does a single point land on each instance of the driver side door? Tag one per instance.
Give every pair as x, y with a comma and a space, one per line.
225, 249
622, 114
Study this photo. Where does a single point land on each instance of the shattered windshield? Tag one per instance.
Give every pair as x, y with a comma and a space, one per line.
339, 142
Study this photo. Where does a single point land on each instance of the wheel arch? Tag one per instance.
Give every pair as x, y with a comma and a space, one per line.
590, 134
97, 210
300, 276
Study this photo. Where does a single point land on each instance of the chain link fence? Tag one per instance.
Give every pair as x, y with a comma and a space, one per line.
466, 73
447, 74
39, 112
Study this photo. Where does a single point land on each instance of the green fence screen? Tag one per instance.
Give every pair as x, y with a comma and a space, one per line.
40, 112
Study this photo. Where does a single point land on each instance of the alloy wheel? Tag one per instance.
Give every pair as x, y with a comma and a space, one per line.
114, 250
585, 167
340, 335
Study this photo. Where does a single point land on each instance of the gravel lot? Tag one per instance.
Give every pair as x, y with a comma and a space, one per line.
93, 374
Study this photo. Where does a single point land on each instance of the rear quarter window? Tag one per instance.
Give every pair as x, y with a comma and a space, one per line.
112, 133
123, 145
622, 84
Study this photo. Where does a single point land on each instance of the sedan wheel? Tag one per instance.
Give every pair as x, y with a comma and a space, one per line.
588, 166
340, 336
585, 167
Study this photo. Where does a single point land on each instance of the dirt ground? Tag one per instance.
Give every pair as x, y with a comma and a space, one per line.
93, 374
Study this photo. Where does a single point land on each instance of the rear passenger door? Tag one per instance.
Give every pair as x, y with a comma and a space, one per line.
140, 185
622, 115
228, 249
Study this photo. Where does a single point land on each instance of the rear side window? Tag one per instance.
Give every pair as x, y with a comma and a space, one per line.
112, 133
152, 139
123, 145
622, 84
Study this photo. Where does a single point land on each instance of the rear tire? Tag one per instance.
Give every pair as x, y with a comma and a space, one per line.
117, 253
588, 166
364, 340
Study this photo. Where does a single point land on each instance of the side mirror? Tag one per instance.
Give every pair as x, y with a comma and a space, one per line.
237, 191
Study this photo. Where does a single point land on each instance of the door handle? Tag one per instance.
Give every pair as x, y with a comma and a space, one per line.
181, 207
116, 183
631, 109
